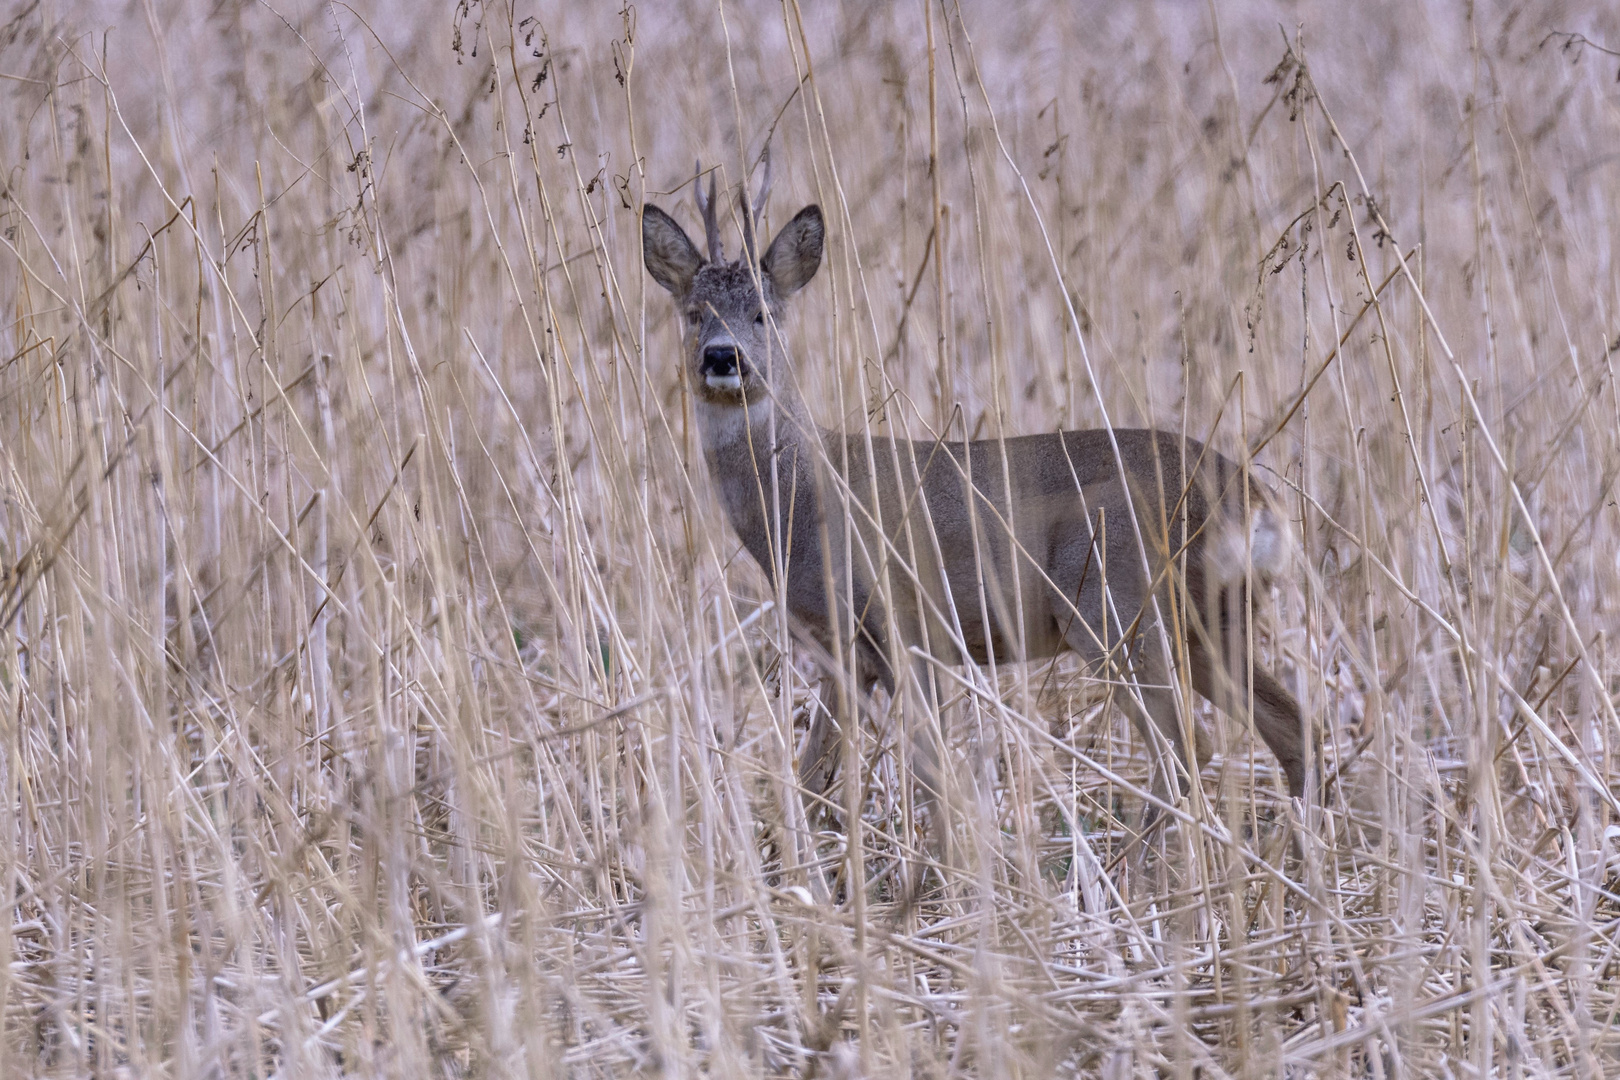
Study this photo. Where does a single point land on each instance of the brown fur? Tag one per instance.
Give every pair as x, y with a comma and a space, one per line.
1042, 556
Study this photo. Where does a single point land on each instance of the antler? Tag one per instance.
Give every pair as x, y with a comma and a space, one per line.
750, 221
711, 222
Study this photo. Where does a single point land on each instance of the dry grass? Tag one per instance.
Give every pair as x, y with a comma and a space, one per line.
384, 691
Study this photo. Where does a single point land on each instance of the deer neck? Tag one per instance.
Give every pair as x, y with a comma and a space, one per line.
763, 459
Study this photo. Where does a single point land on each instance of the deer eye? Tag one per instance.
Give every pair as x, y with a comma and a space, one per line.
759, 319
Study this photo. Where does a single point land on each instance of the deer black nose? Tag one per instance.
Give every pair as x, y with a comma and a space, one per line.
723, 360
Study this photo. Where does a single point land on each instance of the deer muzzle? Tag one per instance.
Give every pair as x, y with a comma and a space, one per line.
723, 366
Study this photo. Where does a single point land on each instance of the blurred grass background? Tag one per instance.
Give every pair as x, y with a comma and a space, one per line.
386, 695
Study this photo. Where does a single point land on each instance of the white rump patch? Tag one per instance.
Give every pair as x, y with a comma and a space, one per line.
1265, 547
1268, 542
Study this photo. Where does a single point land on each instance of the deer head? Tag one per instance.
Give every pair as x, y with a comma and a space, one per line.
729, 309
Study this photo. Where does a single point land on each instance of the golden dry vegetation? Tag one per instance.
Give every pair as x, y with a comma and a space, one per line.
384, 691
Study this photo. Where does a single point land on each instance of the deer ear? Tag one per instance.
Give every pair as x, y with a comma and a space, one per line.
669, 255
795, 255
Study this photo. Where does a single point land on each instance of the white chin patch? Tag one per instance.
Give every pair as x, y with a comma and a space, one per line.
723, 382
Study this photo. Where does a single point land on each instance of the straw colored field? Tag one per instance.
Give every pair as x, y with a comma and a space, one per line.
386, 695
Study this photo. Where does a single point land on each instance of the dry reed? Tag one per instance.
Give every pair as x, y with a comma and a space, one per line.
385, 694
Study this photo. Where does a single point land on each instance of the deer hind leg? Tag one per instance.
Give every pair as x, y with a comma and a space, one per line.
1150, 701
1088, 612
1224, 680
1143, 690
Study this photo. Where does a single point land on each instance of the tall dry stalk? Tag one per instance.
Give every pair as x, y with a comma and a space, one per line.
386, 695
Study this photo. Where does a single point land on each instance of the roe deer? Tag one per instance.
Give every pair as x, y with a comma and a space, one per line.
1045, 555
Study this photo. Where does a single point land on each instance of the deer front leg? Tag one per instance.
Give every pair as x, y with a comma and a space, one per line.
839, 705
824, 743
925, 738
